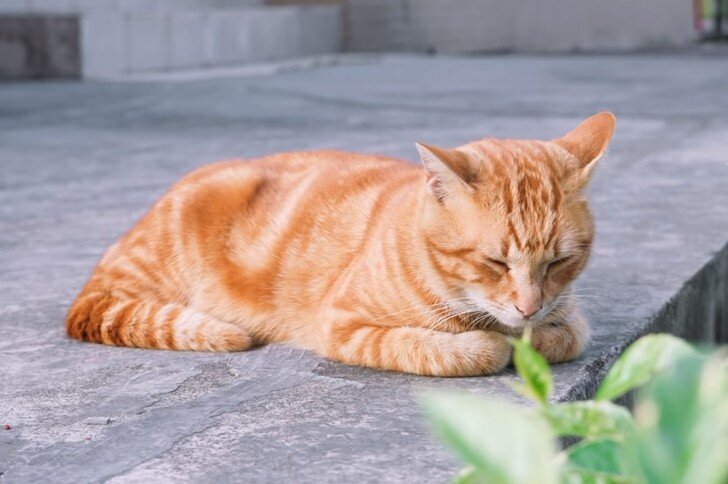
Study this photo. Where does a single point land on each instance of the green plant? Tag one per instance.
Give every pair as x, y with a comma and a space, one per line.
709, 8
678, 434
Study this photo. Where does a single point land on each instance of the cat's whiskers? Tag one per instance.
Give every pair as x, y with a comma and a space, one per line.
411, 307
436, 316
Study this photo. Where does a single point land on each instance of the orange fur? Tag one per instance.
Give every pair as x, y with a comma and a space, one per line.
364, 259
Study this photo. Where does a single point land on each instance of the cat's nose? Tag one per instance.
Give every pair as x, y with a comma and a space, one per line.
528, 310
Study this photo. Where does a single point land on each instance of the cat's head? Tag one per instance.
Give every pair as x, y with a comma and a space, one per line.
506, 223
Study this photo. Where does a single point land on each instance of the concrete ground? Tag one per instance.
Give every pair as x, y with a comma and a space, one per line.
80, 162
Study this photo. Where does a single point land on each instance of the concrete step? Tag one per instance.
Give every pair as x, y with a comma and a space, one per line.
118, 37
81, 163
82, 6
552, 26
133, 41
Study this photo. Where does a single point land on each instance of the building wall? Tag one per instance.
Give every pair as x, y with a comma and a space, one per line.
466, 26
118, 37
596, 25
39, 47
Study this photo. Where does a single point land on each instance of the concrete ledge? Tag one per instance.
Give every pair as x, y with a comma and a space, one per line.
134, 42
468, 26
39, 46
697, 312
124, 39
86, 6
82, 161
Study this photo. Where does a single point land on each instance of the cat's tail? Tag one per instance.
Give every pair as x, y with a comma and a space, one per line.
101, 317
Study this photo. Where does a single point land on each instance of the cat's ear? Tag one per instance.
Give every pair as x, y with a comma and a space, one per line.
587, 142
447, 171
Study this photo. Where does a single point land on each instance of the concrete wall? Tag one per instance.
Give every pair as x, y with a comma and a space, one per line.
422, 25
117, 37
597, 25
470, 25
38, 47
74, 6
465, 26
148, 41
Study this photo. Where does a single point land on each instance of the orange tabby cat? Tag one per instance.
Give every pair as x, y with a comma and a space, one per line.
363, 259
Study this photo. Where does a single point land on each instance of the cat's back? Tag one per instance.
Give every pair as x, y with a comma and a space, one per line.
286, 166
280, 182
273, 187
267, 202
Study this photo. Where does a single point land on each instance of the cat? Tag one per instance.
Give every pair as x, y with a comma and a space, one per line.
363, 259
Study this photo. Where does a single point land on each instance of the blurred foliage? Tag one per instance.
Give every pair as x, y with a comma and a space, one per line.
709, 8
678, 434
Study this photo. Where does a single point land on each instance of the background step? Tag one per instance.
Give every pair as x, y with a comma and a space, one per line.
118, 37
80, 6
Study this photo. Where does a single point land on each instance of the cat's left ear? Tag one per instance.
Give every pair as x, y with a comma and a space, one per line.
588, 141
448, 171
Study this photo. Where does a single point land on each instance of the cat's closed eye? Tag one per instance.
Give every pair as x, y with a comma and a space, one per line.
499, 265
559, 262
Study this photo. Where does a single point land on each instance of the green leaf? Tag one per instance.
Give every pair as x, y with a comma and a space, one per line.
601, 455
573, 475
533, 369
504, 443
521, 389
710, 434
589, 419
469, 475
647, 356
681, 422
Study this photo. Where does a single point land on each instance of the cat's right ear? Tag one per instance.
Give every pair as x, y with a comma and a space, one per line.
588, 142
447, 171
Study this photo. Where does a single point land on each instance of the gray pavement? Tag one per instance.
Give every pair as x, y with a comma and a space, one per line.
80, 162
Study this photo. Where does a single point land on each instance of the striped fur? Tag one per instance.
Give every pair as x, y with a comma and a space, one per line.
364, 259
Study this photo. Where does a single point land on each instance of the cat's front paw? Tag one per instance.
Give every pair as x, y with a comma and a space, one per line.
482, 352
561, 341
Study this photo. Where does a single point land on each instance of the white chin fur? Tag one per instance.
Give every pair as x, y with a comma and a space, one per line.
513, 322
